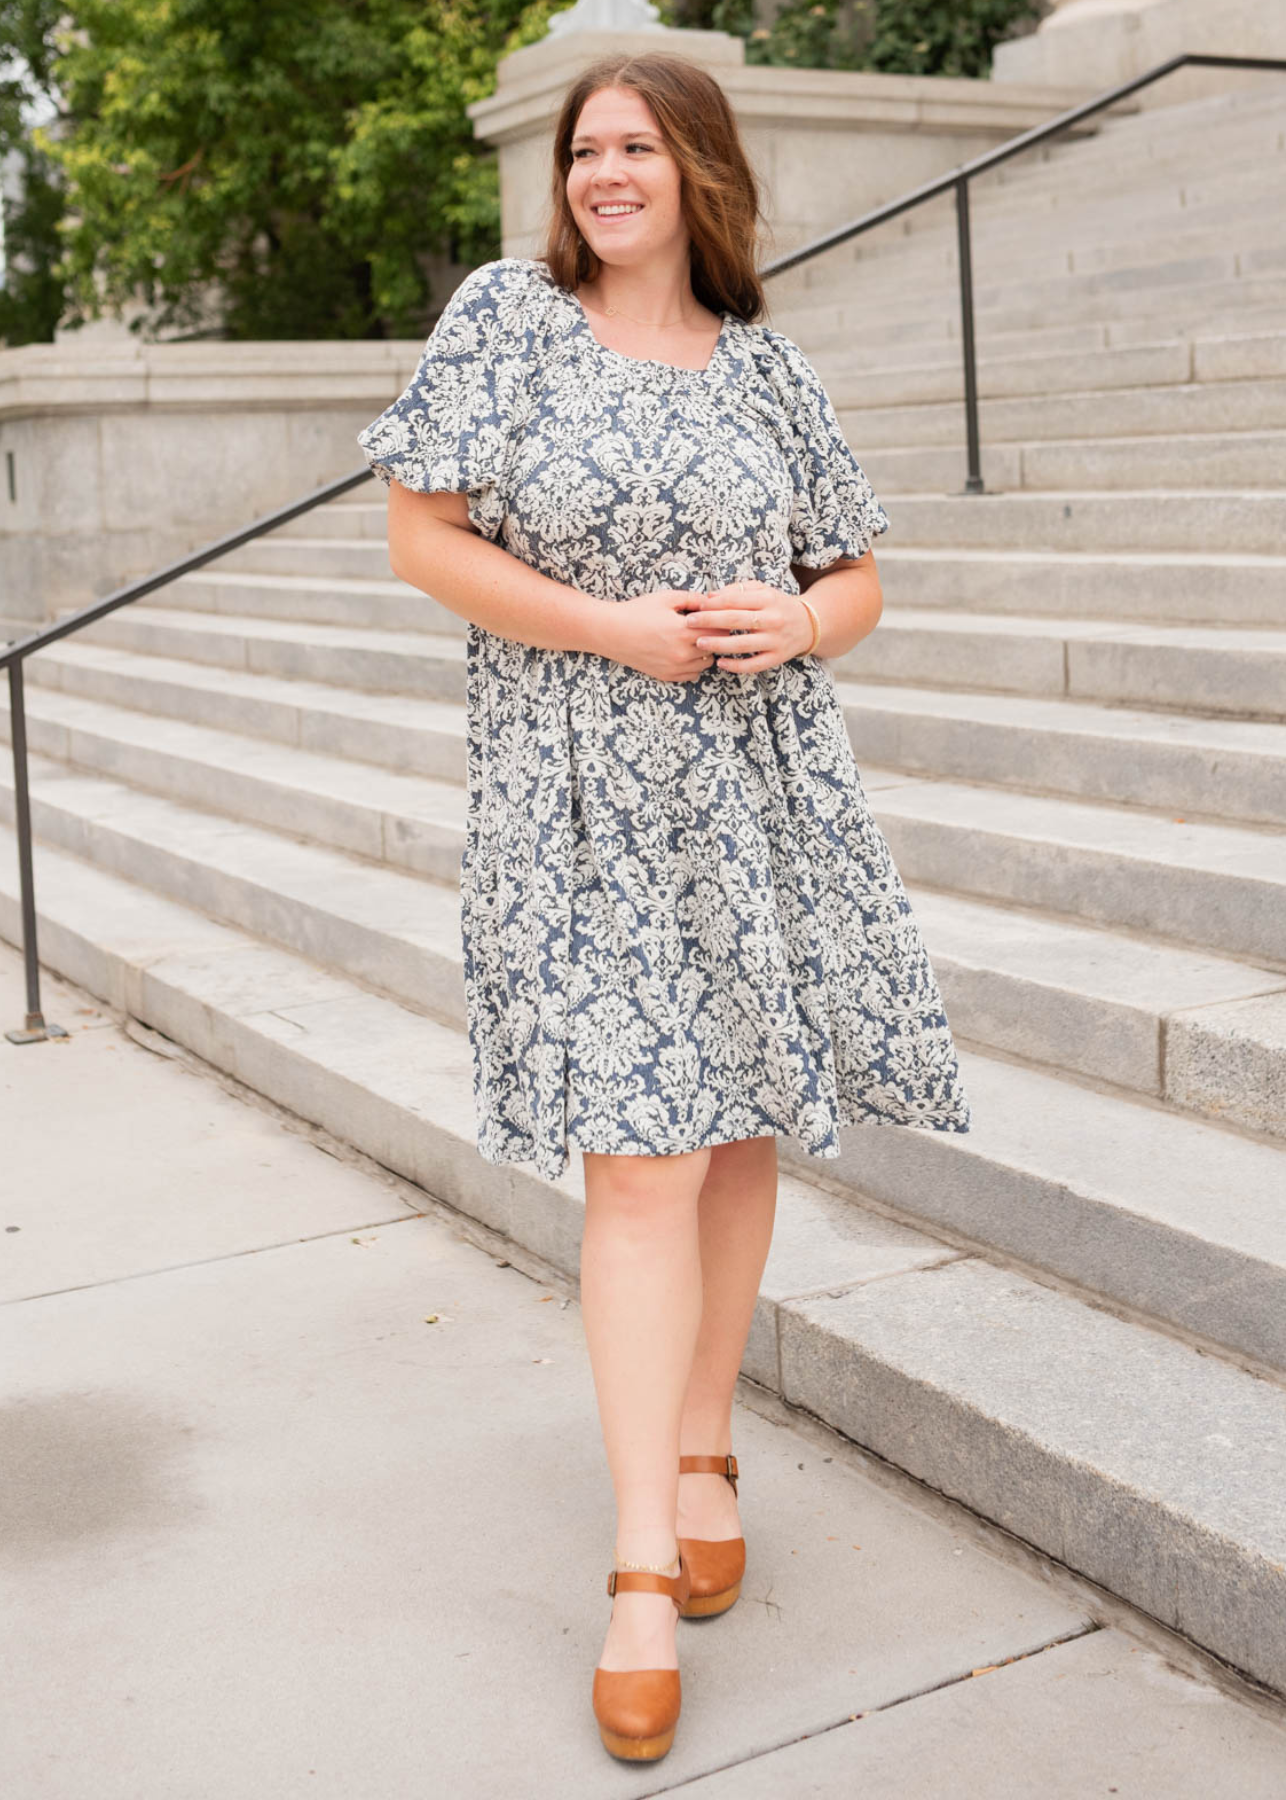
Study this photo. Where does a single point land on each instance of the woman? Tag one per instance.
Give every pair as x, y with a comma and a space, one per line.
683, 932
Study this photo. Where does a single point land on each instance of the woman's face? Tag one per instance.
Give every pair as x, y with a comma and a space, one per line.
620, 159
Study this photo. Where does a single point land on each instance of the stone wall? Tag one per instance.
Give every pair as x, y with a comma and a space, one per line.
1100, 43
114, 459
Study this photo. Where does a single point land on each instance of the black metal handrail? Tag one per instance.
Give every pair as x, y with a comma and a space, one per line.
15, 653
959, 179
19, 649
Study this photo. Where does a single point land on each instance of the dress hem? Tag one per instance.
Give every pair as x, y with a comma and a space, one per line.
827, 1149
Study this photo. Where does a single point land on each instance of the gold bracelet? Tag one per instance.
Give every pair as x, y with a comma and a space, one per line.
817, 625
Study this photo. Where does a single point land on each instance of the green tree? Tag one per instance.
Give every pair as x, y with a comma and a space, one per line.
891, 37
31, 298
298, 158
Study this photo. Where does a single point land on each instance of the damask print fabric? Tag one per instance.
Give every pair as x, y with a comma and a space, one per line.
680, 922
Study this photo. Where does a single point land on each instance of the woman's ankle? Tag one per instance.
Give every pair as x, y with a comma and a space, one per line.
647, 1554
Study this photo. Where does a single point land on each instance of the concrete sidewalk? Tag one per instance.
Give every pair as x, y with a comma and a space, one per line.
303, 1494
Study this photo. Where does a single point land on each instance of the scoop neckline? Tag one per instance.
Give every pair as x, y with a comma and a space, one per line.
647, 362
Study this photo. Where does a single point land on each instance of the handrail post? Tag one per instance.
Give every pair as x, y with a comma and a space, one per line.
36, 1028
973, 480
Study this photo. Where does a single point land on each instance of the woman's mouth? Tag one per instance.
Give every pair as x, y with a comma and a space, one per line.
617, 209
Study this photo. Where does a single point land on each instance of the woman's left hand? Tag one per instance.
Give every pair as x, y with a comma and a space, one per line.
770, 626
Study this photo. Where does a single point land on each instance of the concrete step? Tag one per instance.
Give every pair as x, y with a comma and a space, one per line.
912, 345
854, 320
1222, 248
357, 559
1235, 459
1094, 416
1185, 668
1151, 133
1176, 364
1017, 981
1142, 157
324, 592
1165, 197
1221, 589
428, 665
1138, 519
1213, 887
1217, 769
1202, 1033
363, 512
412, 822
370, 922
1144, 138
1014, 1397
1087, 238
393, 731
1010, 237
1025, 188
1173, 1470
1073, 241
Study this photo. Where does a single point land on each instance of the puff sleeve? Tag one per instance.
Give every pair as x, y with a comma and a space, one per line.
835, 512
450, 430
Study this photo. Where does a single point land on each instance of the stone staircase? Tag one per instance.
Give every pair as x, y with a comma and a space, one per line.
1071, 723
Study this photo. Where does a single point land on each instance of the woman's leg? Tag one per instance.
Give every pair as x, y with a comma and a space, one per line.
641, 1299
736, 1210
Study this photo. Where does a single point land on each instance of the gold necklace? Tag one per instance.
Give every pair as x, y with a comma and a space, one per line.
614, 312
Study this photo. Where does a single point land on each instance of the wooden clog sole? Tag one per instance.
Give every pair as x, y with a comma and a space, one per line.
648, 1749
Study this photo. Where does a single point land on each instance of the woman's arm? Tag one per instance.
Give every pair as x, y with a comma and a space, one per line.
433, 546
847, 599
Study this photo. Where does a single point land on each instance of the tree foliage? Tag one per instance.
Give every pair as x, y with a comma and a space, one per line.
891, 37
305, 156
32, 298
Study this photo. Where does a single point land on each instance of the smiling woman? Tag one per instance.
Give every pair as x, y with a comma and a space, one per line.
683, 931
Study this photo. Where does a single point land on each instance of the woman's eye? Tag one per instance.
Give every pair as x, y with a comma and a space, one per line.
577, 154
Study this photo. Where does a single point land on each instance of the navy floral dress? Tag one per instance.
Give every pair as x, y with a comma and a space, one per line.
680, 923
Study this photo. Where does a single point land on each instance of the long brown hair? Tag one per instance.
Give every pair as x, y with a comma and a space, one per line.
719, 191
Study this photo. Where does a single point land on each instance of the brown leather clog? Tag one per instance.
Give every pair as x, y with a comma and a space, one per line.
637, 1709
717, 1564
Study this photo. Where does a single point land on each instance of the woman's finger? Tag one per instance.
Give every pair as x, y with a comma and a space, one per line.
747, 640
752, 665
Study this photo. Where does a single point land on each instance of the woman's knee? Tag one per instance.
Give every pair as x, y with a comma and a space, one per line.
637, 1186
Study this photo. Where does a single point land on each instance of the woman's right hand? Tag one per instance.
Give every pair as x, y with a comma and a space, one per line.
650, 633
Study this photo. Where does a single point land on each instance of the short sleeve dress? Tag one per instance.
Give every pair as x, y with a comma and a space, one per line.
680, 923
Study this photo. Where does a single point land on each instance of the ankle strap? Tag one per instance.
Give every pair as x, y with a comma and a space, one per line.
678, 1587
710, 1465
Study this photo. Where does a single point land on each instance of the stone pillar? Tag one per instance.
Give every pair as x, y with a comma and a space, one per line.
1099, 43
